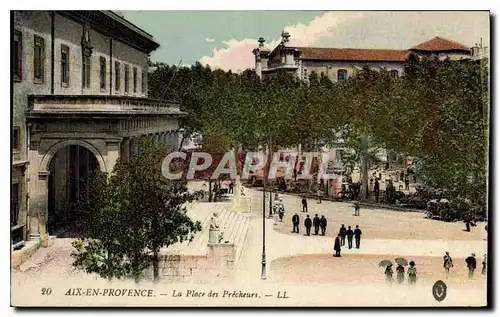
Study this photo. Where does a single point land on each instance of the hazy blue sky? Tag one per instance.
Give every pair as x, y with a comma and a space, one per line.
225, 39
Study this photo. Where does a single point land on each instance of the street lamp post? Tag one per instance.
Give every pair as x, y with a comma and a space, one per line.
263, 273
270, 182
265, 175
270, 199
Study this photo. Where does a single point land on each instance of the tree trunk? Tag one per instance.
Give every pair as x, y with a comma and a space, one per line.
156, 269
237, 185
364, 178
180, 144
209, 190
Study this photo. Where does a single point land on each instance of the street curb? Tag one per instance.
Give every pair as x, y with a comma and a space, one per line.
363, 204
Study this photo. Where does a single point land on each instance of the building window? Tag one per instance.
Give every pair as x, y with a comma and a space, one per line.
394, 73
143, 82
14, 208
39, 59
341, 75
117, 76
16, 139
64, 66
102, 63
86, 72
134, 72
18, 56
126, 75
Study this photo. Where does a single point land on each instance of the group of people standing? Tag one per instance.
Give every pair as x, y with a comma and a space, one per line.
317, 222
400, 273
341, 237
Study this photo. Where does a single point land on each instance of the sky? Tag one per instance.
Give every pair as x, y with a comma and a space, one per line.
225, 39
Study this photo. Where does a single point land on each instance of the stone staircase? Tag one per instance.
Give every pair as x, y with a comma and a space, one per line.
234, 226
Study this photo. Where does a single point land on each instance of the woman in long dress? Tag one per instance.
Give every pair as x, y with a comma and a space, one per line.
412, 273
447, 263
483, 270
400, 277
388, 274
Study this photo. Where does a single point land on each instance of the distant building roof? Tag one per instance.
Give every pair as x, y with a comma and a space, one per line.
440, 44
352, 54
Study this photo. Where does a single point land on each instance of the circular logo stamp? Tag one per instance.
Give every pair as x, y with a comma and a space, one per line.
439, 290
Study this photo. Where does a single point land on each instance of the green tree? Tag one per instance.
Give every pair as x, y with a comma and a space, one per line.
132, 214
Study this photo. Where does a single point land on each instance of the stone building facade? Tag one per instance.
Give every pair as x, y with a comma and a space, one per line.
339, 64
79, 104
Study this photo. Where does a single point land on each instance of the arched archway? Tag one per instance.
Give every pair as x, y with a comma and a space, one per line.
70, 163
47, 158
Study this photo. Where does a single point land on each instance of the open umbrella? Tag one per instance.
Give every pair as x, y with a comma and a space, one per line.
401, 261
385, 263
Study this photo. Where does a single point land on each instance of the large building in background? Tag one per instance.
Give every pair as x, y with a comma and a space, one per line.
339, 64
79, 104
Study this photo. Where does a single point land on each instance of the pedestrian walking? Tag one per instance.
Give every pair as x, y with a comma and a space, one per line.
467, 221
316, 224
281, 211
447, 263
275, 210
483, 270
471, 265
304, 204
308, 224
356, 208
357, 236
349, 234
376, 189
412, 273
295, 222
342, 233
323, 223
388, 274
319, 193
336, 246
231, 187
400, 277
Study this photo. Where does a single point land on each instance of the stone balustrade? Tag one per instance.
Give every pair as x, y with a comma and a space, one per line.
99, 104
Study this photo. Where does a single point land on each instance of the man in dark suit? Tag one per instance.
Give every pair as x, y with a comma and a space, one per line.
304, 204
295, 222
323, 223
342, 234
308, 224
376, 189
357, 236
349, 234
316, 224
336, 246
471, 265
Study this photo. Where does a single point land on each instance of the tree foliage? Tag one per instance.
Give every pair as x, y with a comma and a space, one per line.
437, 112
130, 215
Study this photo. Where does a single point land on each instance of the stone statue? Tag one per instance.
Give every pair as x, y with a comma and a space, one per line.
213, 233
214, 222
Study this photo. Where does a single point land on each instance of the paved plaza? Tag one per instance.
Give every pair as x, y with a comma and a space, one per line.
296, 259
299, 259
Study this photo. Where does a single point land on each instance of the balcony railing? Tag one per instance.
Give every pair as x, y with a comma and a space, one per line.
45, 104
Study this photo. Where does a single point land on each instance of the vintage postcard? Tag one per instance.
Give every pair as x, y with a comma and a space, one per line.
250, 158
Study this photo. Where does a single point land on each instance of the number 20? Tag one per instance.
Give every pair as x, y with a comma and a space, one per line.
46, 291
